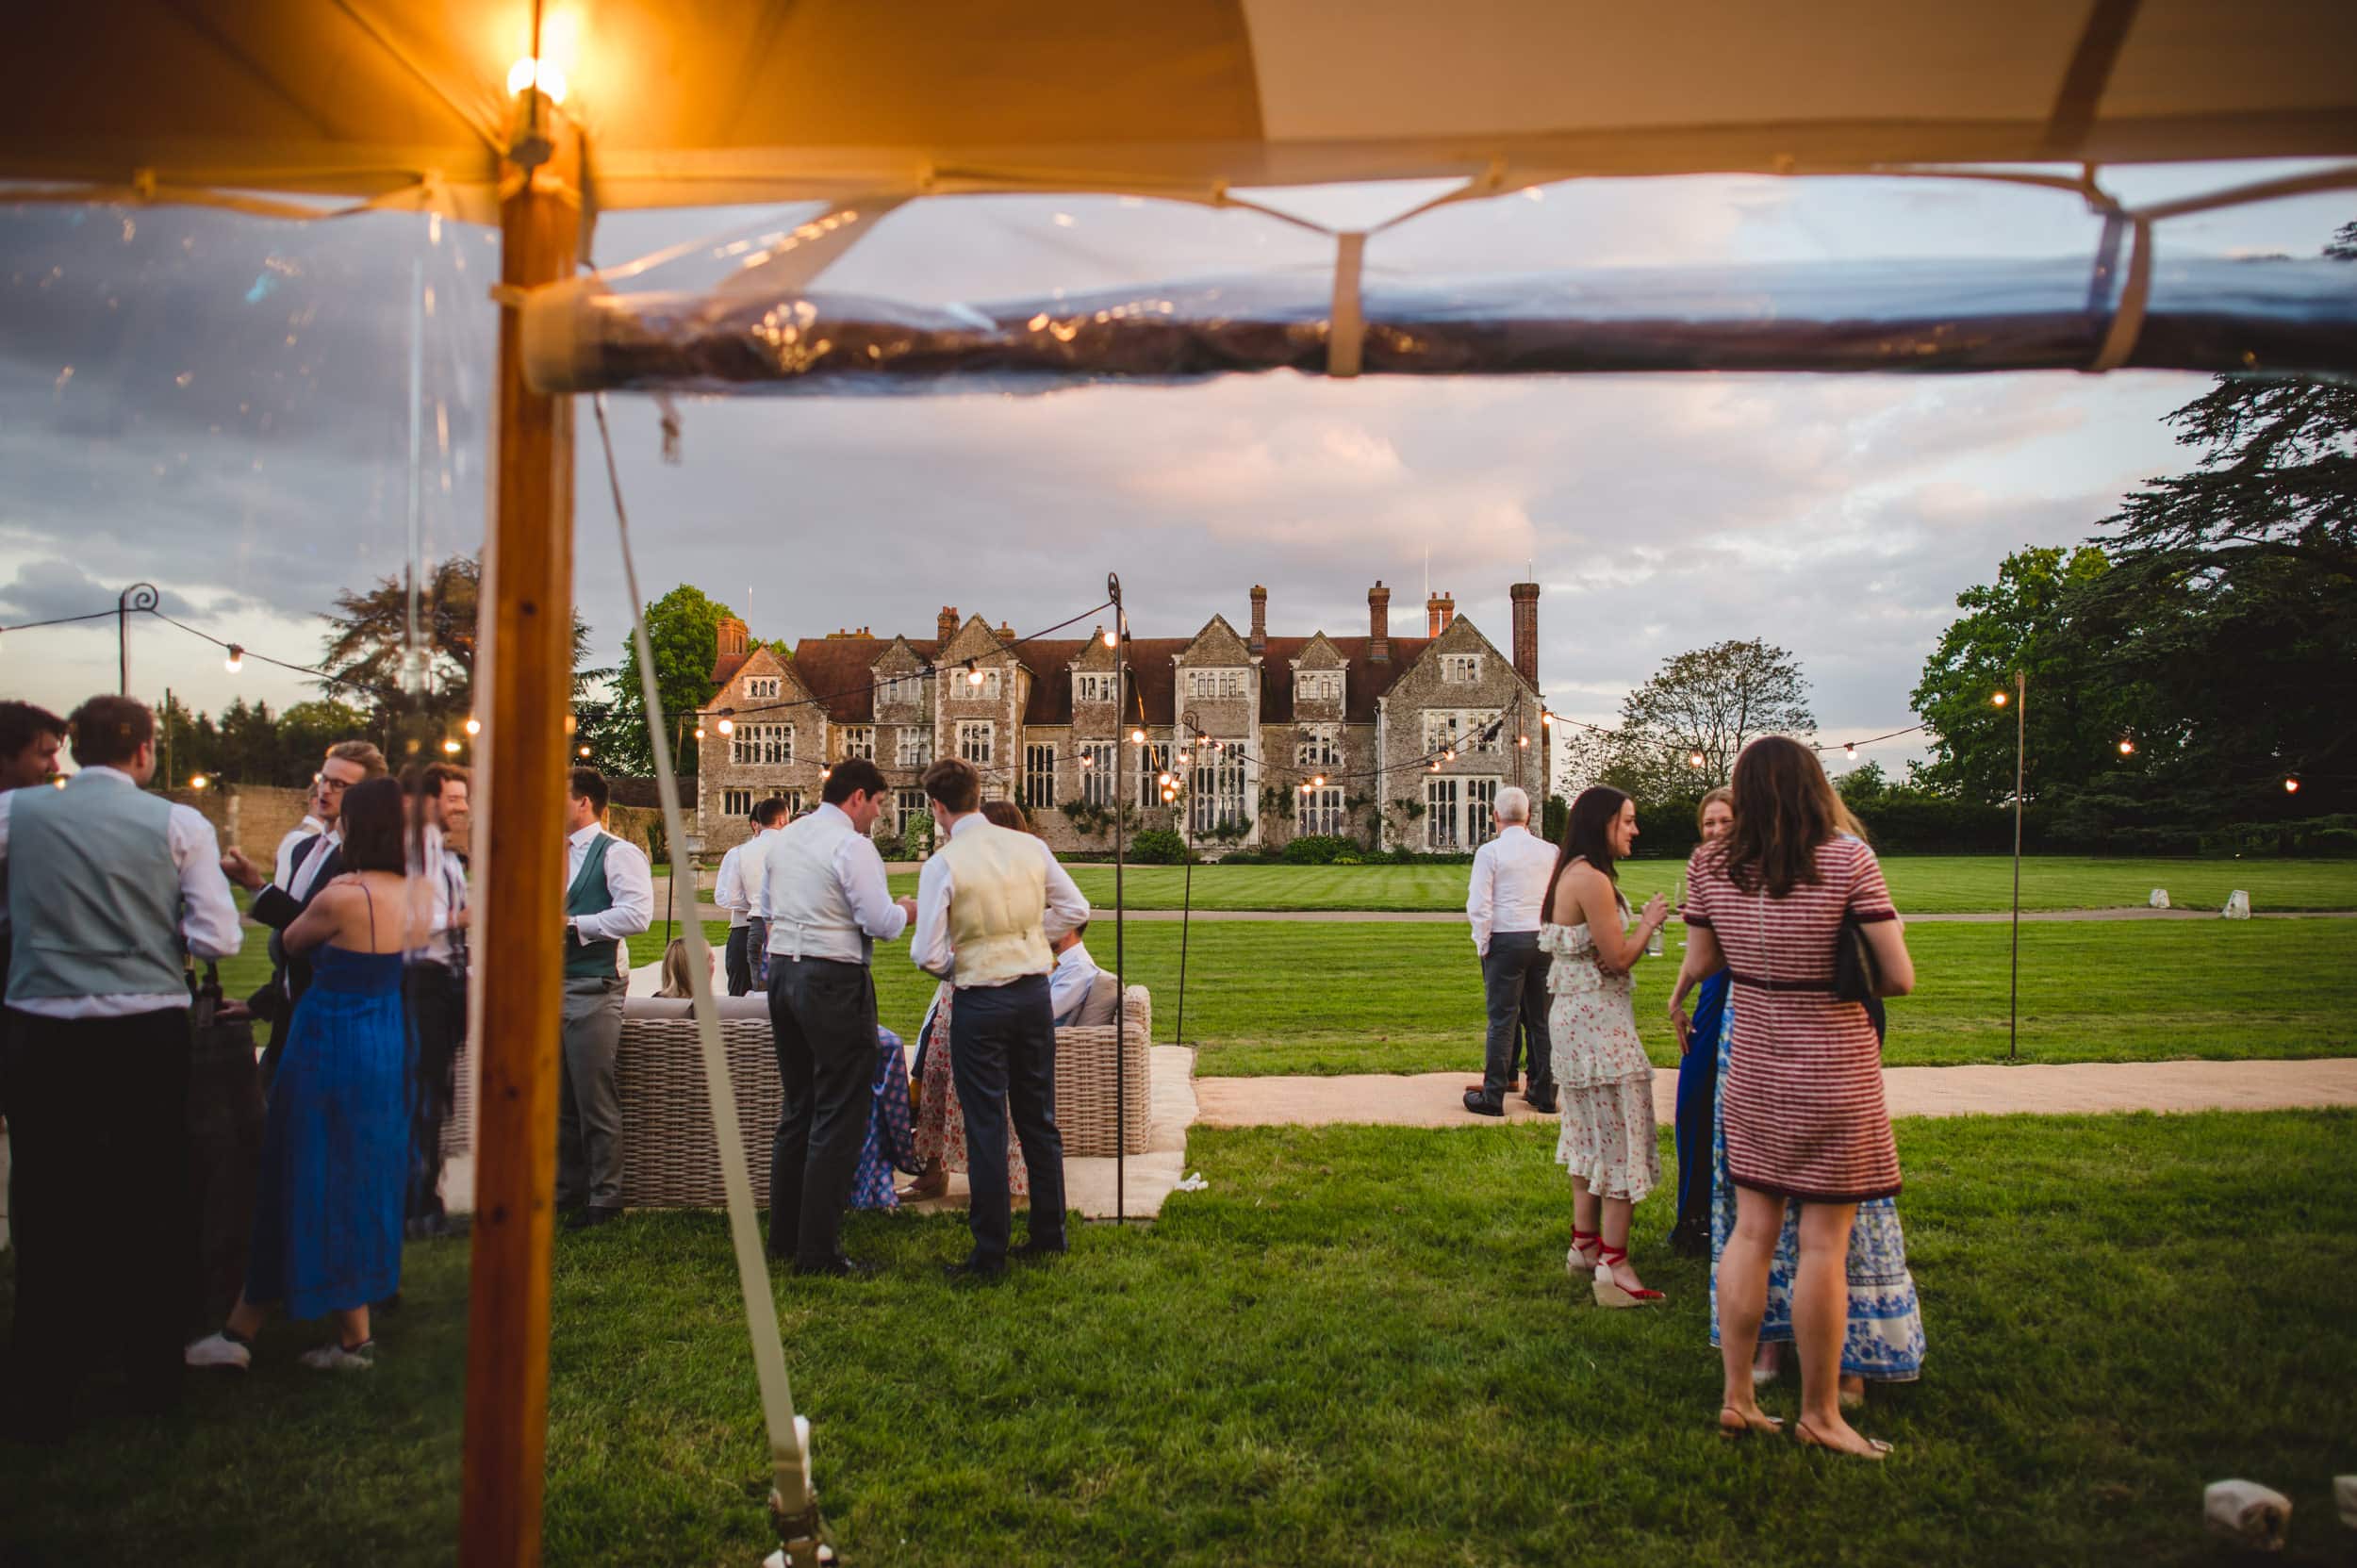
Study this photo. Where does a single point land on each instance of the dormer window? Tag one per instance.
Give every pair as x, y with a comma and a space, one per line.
1215, 682
1318, 685
1095, 687
909, 689
966, 688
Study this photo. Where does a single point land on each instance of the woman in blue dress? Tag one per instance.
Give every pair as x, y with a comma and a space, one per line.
1698, 1073
334, 1151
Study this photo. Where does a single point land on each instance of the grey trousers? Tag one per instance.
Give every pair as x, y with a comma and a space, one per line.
588, 1109
1515, 983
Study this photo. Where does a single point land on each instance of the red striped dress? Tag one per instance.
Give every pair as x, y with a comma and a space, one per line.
1803, 1095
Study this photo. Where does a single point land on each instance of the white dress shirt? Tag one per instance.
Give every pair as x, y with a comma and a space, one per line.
209, 925
446, 895
930, 946
1509, 884
733, 889
285, 866
1069, 986
630, 882
858, 869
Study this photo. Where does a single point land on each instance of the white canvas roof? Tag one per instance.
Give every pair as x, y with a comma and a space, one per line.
709, 102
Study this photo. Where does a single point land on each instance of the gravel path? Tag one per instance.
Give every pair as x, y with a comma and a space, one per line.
1434, 1099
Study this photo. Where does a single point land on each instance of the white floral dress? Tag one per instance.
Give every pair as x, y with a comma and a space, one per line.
1601, 1071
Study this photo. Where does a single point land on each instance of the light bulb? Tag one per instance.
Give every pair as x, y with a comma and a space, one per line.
1449, 755
700, 731
1110, 638
2127, 746
583, 751
2291, 787
728, 726
1849, 749
1999, 699
450, 748
474, 726
1318, 782
1164, 780
545, 74
1087, 761
1695, 760
1522, 740
824, 773
973, 676
1548, 720
199, 781
236, 661
1182, 759
1137, 737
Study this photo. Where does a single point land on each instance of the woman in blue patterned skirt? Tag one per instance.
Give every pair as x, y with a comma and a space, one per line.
335, 1148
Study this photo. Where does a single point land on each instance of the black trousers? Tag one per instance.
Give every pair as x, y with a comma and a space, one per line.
739, 962
435, 996
1002, 1052
1514, 983
99, 1212
822, 1014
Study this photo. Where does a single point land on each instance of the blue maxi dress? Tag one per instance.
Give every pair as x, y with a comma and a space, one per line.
336, 1146
1698, 1105
1885, 1340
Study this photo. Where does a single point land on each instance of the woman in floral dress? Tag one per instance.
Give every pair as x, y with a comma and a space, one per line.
1608, 1143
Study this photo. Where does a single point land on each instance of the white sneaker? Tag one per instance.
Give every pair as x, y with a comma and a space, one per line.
218, 1350
332, 1357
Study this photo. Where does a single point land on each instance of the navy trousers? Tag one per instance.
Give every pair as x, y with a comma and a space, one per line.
1002, 1052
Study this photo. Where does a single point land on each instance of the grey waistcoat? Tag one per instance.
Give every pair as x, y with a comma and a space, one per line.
94, 893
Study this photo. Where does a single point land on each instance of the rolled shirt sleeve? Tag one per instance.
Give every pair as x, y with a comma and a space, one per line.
929, 947
728, 891
630, 882
861, 870
1067, 907
208, 914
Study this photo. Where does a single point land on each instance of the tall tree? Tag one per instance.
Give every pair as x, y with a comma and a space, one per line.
1709, 702
368, 641
2023, 621
683, 630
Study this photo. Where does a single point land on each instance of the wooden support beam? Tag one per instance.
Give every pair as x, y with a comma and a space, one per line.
526, 751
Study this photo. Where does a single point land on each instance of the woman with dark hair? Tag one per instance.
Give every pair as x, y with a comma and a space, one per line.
1601, 1071
1698, 1066
335, 1150
1802, 1099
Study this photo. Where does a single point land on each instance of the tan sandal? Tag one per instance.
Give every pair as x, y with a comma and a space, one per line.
1745, 1423
1876, 1451
1610, 1291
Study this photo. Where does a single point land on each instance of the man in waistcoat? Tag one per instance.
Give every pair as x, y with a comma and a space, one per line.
434, 988
109, 888
823, 883
988, 903
609, 899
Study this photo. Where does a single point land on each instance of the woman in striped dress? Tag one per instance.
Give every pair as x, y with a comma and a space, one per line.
1803, 1100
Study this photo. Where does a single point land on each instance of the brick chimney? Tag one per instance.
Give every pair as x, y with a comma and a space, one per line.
1260, 618
1379, 623
733, 637
1526, 631
947, 627
1439, 611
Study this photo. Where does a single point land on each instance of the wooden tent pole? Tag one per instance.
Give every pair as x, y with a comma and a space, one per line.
526, 672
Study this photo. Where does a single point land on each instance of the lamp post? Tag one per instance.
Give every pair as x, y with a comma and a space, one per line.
1190, 728
1121, 983
2020, 697
139, 596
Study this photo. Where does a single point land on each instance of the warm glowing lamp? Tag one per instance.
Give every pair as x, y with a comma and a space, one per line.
474, 726
545, 74
450, 748
236, 661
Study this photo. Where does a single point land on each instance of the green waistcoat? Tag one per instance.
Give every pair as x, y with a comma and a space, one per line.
590, 896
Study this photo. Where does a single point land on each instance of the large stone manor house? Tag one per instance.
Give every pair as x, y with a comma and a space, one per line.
1399, 741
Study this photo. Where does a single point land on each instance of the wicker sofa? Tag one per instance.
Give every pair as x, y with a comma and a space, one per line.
670, 1161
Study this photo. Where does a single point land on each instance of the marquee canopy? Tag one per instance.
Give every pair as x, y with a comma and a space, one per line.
689, 103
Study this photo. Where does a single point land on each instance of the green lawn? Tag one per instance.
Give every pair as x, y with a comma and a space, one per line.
1920, 883
1316, 997
1357, 1346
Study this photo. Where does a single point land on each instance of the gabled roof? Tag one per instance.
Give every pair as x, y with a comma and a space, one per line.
841, 672
1363, 680
725, 666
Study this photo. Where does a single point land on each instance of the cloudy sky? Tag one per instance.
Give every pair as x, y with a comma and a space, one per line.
218, 405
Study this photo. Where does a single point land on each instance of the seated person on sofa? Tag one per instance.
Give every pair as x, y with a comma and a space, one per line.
1075, 977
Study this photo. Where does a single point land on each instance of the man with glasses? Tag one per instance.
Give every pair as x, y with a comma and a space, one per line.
312, 865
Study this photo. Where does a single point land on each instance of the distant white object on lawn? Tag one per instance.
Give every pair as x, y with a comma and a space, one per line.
2159, 899
2251, 1516
2237, 906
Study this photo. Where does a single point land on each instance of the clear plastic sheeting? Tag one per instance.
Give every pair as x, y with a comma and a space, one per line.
2204, 314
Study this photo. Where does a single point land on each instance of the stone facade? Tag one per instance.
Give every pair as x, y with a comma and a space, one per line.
1402, 742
